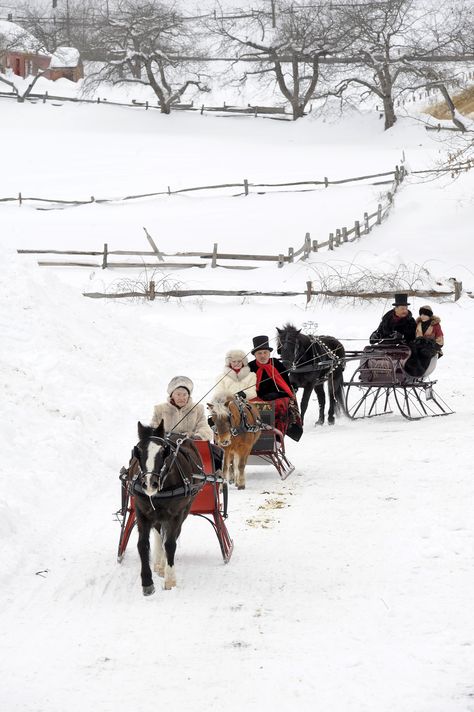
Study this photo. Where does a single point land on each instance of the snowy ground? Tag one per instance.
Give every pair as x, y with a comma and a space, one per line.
350, 584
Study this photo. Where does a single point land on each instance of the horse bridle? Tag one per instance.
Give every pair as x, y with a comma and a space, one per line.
174, 448
244, 426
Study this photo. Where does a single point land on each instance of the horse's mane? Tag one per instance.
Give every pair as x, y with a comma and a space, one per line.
291, 329
220, 408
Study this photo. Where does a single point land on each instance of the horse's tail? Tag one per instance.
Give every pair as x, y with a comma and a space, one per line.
338, 390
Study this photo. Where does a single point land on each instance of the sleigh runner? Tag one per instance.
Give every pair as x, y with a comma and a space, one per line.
381, 379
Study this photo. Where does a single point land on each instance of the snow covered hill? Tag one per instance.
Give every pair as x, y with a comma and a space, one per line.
350, 585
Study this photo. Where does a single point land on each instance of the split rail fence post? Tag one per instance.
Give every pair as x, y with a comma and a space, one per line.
366, 223
151, 292
379, 214
214, 256
246, 186
307, 246
357, 228
20, 199
309, 289
344, 234
291, 253
281, 260
104, 259
331, 241
457, 289
338, 237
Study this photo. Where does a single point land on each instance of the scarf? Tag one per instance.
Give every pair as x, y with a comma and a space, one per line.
272, 373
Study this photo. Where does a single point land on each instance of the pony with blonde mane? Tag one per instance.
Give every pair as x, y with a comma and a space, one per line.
237, 427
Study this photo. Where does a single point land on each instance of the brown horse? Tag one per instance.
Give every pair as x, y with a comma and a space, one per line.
237, 426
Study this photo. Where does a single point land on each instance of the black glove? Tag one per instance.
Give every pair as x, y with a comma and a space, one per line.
396, 336
241, 394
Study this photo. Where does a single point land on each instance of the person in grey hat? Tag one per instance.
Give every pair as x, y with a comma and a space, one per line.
397, 325
179, 414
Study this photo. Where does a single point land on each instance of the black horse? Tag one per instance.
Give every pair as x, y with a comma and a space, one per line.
312, 361
164, 491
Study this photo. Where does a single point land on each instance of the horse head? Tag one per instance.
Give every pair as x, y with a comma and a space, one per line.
288, 345
221, 416
151, 451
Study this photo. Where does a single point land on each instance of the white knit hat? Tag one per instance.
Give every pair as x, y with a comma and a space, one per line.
180, 382
236, 355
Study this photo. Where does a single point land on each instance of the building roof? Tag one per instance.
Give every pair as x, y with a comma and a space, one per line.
65, 57
16, 38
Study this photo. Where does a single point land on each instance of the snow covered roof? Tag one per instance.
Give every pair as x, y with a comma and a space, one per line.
65, 57
14, 37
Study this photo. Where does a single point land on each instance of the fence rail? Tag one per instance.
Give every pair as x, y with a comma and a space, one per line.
151, 294
245, 187
250, 109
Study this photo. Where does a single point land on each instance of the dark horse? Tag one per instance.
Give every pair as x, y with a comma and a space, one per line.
311, 361
164, 491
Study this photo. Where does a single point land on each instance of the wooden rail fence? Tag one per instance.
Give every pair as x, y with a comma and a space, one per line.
337, 238
151, 294
245, 187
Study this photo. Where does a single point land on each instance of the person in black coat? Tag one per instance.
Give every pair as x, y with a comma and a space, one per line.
273, 384
397, 325
272, 377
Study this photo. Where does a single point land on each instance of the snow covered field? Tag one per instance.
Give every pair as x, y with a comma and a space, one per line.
350, 584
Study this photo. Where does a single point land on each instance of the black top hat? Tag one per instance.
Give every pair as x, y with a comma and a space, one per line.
401, 300
260, 343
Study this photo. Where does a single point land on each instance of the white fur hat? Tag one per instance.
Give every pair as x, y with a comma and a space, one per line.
236, 355
180, 382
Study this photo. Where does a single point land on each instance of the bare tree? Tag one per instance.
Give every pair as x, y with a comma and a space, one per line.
74, 23
394, 42
145, 41
289, 54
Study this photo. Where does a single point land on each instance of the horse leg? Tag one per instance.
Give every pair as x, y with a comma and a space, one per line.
332, 404
304, 401
143, 547
227, 473
158, 554
170, 535
319, 390
239, 470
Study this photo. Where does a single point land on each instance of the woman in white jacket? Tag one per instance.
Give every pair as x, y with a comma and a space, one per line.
236, 377
179, 414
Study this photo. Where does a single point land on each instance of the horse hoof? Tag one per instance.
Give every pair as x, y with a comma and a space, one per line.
240, 487
319, 422
148, 590
331, 422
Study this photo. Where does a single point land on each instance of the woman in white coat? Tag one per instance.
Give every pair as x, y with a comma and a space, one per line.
236, 377
180, 414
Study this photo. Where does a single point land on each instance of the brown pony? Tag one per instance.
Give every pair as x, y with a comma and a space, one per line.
237, 426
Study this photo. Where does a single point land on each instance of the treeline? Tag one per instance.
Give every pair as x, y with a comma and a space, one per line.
307, 51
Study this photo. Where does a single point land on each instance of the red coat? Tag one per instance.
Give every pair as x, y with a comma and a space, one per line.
433, 331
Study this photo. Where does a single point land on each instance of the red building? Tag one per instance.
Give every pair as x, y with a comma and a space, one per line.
24, 55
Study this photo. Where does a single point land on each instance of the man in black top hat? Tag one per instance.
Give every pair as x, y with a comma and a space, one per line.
397, 325
275, 382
